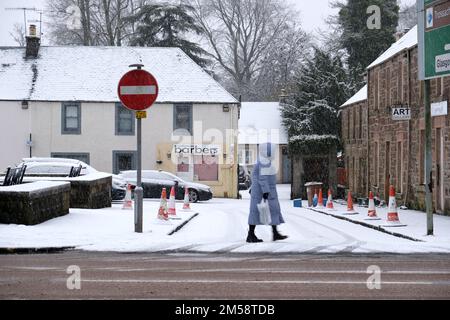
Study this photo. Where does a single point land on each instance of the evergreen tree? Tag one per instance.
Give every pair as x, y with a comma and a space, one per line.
311, 118
364, 45
166, 25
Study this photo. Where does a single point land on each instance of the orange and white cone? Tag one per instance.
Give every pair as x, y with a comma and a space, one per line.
372, 212
392, 216
330, 200
162, 212
172, 211
320, 201
350, 209
186, 203
128, 203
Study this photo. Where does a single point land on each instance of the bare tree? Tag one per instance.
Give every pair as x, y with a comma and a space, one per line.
18, 34
101, 22
240, 33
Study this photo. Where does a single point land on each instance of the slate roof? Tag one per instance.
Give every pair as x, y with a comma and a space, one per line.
77, 73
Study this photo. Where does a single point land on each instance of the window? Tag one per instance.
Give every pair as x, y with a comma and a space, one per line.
422, 178
206, 168
354, 123
124, 160
85, 157
376, 158
400, 82
388, 87
125, 122
377, 89
348, 125
71, 118
182, 119
399, 178
361, 109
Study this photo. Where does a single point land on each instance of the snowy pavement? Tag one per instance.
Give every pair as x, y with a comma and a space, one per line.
221, 226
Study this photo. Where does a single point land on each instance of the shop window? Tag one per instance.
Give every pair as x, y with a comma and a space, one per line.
206, 168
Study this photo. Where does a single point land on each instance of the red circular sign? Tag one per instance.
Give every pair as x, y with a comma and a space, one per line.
138, 90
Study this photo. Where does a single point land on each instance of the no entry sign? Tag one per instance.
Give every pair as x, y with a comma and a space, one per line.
138, 90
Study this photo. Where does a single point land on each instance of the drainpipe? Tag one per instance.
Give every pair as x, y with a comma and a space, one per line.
408, 163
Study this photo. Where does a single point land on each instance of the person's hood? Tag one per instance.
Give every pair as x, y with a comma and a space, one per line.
266, 152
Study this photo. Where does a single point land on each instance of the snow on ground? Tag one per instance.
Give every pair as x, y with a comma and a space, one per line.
221, 226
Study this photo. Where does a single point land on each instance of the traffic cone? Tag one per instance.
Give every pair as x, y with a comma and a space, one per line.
128, 203
392, 216
172, 210
350, 209
320, 201
162, 212
186, 203
330, 201
372, 212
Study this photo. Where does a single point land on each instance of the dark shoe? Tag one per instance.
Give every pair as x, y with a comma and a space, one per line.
277, 237
251, 238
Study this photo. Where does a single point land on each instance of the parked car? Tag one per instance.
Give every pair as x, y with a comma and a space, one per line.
245, 180
153, 181
62, 166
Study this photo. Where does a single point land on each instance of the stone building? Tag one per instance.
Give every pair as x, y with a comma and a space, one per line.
354, 137
395, 148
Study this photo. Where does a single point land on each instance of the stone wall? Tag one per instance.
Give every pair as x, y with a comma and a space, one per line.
86, 192
396, 148
34, 203
354, 137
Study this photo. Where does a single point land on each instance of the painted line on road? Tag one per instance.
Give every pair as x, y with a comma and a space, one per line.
133, 281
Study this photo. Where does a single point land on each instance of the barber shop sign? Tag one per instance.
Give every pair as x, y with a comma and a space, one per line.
196, 149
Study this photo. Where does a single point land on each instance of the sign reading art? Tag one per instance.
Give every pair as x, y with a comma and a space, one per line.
401, 113
196, 149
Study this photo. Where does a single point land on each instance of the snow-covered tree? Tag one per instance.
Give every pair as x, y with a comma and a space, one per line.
168, 25
407, 17
363, 44
311, 114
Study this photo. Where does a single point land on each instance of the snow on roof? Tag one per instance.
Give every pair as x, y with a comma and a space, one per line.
409, 40
92, 74
361, 95
261, 122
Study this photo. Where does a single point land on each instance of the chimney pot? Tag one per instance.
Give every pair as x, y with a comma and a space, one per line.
33, 43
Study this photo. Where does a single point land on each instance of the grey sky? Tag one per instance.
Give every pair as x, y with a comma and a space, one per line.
313, 15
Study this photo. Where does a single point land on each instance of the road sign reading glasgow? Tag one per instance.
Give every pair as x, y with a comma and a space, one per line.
138, 90
434, 38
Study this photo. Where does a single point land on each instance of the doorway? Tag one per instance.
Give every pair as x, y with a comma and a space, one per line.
387, 171
439, 186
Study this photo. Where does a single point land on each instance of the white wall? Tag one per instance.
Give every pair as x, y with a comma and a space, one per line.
14, 133
98, 130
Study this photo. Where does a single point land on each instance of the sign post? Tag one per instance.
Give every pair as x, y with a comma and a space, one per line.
434, 62
137, 91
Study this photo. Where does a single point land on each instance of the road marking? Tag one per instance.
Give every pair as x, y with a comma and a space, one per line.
446, 283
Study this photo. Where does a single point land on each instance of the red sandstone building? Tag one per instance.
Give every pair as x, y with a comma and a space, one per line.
380, 151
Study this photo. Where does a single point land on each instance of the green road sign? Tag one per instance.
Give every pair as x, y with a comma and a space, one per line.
434, 38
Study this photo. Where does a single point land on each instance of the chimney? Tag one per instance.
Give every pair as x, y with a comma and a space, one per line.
33, 43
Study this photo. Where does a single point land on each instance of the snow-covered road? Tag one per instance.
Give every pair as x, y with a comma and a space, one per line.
221, 226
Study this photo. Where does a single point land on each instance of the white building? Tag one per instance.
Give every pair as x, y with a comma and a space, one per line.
261, 122
62, 102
